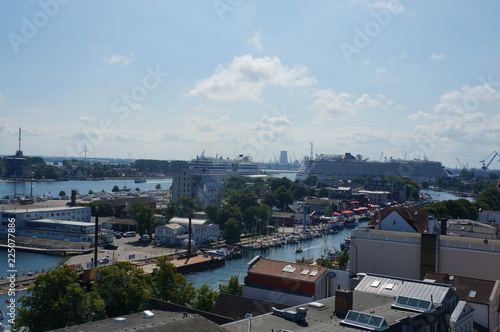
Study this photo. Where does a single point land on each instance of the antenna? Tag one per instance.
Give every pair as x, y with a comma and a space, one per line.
19, 139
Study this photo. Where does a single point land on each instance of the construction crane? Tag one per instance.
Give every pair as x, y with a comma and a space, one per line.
460, 164
487, 164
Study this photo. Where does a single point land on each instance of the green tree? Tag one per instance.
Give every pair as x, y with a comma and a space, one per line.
232, 231
124, 288
158, 186
323, 192
311, 180
115, 189
343, 259
56, 300
270, 199
232, 287
275, 183
243, 200
182, 207
144, 216
212, 212
284, 196
169, 285
205, 298
105, 209
227, 212
298, 191
62, 193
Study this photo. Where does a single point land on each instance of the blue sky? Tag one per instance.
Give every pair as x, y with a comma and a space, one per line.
170, 79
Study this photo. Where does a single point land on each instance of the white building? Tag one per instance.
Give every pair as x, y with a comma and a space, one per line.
58, 223
176, 231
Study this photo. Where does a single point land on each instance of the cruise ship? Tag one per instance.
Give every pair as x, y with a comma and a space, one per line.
348, 166
241, 165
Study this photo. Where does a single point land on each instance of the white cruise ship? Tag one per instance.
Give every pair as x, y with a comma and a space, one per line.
241, 165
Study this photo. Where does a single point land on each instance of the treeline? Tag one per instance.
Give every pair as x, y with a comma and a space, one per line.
56, 300
37, 168
159, 166
488, 200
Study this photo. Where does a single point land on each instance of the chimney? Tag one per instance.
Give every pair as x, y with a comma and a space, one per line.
343, 302
73, 197
443, 226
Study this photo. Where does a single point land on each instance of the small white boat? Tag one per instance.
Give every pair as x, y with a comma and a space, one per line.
298, 250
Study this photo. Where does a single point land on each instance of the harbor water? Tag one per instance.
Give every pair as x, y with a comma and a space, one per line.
313, 248
52, 189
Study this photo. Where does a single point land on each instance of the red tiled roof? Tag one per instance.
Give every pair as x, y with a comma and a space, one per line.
287, 270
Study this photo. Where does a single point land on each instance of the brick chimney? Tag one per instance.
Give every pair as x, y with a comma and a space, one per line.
343, 302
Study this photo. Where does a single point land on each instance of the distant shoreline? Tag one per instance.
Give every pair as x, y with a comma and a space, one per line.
164, 177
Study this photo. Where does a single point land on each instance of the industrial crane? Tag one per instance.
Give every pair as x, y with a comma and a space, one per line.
487, 164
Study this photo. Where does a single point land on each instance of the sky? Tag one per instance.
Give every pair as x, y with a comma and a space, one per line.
173, 79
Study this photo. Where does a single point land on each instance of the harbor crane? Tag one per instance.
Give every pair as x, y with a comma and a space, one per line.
487, 164
460, 164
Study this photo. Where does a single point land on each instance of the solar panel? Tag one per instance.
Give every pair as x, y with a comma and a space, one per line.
360, 319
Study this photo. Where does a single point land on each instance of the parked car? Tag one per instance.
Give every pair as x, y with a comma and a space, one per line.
110, 246
129, 234
145, 238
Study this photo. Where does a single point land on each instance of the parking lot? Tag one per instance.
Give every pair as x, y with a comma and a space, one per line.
129, 248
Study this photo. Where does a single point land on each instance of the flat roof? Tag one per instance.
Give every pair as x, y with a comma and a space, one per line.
63, 222
162, 321
323, 319
25, 209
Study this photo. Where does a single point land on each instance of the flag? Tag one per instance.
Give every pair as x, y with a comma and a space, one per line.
7, 302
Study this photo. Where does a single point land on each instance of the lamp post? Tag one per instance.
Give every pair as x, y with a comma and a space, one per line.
96, 235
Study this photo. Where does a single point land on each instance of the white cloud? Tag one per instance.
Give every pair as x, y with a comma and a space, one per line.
365, 62
366, 101
256, 41
435, 56
119, 59
331, 104
87, 119
419, 116
394, 6
465, 100
343, 105
245, 78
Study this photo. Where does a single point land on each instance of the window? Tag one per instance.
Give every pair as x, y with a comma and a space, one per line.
472, 293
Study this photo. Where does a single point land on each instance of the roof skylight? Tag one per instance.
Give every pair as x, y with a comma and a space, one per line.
409, 303
376, 283
389, 286
306, 271
288, 268
472, 293
313, 273
360, 319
